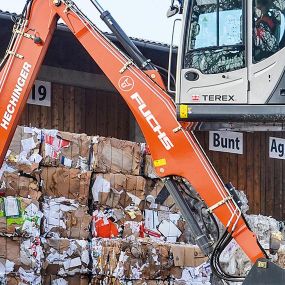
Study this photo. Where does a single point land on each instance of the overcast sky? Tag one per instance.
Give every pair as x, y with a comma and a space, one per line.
139, 18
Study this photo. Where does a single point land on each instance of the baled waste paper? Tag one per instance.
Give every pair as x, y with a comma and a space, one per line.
76, 209
20, 254
65, 218
70, 183
20, 217
65, 257
65, 149
116, 156
142, 259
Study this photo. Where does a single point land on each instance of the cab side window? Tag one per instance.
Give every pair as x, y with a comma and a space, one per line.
268, 28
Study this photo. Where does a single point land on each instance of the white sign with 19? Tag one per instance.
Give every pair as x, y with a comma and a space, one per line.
40, 94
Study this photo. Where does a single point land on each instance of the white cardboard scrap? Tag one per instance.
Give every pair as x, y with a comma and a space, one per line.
70, 263
169, 230
28, 144
100, 185
11, 206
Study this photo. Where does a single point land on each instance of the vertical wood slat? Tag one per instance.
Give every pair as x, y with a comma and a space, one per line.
249, 170
34, 115
90, 112
256, 172
67, 108
263, 170
24, 119
269, 193
77, 110
277, 211
72, 109
56, 92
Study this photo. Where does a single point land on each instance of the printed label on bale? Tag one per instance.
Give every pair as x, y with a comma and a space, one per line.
276, 148
224, 141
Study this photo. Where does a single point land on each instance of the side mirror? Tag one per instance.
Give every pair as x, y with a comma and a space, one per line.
173, 10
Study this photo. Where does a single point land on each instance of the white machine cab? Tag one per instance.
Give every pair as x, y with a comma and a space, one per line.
231, 54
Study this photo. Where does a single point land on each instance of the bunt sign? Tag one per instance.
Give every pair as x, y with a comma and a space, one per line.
276, 148
224, 141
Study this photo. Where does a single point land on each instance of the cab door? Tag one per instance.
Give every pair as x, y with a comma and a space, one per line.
212, 61
267, 51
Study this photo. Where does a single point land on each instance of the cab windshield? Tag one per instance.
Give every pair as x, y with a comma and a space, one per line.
214, 37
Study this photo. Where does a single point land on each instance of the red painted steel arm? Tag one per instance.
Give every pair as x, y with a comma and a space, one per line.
174, 150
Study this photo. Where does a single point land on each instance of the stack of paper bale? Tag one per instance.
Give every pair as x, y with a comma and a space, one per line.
20, 216
142, 259
76, 209
19, 174
135, 223
65, 229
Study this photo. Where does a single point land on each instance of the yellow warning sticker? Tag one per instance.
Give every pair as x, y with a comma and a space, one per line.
183, 111
159, 162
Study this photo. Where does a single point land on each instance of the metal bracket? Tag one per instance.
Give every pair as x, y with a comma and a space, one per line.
225, 200
176, 130
126, 65
15, 54
26, 35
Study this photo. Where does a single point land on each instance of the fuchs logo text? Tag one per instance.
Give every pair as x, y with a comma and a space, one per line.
152, 122
16, 94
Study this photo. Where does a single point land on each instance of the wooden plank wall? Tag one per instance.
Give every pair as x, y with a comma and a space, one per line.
81, 110
262, 178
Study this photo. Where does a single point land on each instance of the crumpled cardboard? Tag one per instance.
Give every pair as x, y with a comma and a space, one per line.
25, 148
116, 189
65, 257
22, 277
65, 218
66, 149
187, 255
64, 182
20, 184
149, 169
16, 253
24, 221
117, 156
196, 275
141, 259
73, 280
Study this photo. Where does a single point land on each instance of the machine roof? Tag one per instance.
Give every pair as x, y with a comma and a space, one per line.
59, 56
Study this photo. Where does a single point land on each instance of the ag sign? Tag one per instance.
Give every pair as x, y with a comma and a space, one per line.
276, 148
226, 142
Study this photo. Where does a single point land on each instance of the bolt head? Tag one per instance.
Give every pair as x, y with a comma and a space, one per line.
57, 2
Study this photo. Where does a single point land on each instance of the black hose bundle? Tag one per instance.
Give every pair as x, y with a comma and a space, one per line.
215, 259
